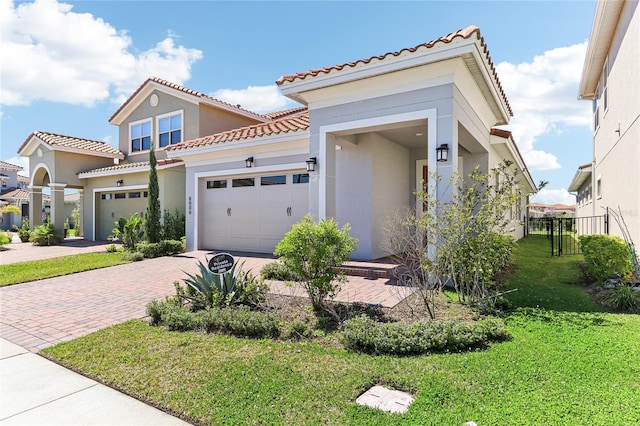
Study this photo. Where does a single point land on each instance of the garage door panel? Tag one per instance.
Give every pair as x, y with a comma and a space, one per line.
259, 215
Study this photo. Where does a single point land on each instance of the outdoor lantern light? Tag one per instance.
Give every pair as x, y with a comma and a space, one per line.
249, 162
311, 164
442, 152
119, 183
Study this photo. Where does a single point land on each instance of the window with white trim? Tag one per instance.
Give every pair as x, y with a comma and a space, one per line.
169, 129
599, 187
140, 135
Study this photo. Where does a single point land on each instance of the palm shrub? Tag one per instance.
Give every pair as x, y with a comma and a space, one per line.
45, 235
234, 287
131, 231
312, 252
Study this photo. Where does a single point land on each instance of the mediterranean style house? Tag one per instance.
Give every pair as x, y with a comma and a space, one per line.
13, 191
611, 81
363, 139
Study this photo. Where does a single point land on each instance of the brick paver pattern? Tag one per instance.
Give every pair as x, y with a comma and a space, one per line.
40, 314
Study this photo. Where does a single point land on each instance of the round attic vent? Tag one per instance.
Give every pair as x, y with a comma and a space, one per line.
153, 100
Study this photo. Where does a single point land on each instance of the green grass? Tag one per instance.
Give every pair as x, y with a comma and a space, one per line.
567, 363
22, 272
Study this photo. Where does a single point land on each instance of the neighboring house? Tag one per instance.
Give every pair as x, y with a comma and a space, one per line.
537, 210
611, 80
13, 192
366, 135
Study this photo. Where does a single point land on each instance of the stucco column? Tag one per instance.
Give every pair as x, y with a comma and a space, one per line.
35, 206
447, 133
57, 205
80, 226
326, 176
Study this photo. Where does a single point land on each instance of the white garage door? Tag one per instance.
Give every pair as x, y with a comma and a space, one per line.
251, 213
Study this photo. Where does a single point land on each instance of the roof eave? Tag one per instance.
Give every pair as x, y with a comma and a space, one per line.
511, 146
602, 32
581, 176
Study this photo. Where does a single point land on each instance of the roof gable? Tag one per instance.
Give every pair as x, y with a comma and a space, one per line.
193, 96
64, 143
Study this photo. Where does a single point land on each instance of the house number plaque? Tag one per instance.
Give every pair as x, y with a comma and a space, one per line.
221, 263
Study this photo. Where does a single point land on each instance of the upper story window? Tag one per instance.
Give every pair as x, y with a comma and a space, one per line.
169, 129
140, 135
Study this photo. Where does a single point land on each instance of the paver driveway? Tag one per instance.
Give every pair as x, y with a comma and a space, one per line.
42, 313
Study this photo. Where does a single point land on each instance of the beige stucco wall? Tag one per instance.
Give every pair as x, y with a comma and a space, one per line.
617, 154
215, 120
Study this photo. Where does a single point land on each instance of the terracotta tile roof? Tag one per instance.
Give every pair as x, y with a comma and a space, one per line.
280, 114
19, 194
74, 143
464, 33
143, 165
290, 123
184, 90
8, 166
23, 179
500, 132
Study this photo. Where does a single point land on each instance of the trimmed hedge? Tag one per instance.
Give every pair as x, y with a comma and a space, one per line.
162, 248
363, 334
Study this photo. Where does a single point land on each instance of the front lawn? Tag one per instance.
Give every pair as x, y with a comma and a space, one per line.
567, 363
22, 272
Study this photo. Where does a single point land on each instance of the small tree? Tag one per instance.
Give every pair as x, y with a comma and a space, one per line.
460, 242
312, 252
153, 228
75, 216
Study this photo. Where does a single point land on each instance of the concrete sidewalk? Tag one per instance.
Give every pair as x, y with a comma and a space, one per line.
35, 391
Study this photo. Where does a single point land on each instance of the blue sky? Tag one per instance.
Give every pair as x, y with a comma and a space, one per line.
67, 66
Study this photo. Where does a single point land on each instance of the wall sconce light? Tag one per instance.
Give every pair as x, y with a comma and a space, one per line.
311, 164
249, 162
442, 152
119, 183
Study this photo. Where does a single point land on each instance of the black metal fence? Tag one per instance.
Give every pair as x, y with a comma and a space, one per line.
563, 232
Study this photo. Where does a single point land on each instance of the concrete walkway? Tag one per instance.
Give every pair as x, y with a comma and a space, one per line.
40, 314
35, 391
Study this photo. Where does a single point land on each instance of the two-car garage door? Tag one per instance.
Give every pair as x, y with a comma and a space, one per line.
251, 213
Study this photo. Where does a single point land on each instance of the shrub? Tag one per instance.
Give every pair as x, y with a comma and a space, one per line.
163, 248
4, 239
132, 256
24, 232
312, 252
237, 321
605, 255
367, 335
129, 231
624, 299
173, 225
277, 271
111, 248
45, 235
240, 321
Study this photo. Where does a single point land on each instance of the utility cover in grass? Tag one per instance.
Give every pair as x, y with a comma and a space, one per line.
385, 399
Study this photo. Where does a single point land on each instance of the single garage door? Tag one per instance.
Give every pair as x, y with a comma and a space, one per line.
111, 206
251, 213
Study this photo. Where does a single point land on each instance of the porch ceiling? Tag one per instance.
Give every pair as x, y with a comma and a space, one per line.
410, 134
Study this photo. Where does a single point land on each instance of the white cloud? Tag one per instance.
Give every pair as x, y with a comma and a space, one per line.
21, 161
255, 98
540, 160
554, 196
62, 56
544, 97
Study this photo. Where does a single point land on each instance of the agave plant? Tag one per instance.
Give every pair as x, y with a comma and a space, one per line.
218, 289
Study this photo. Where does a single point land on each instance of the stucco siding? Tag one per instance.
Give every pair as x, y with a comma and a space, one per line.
214, 120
